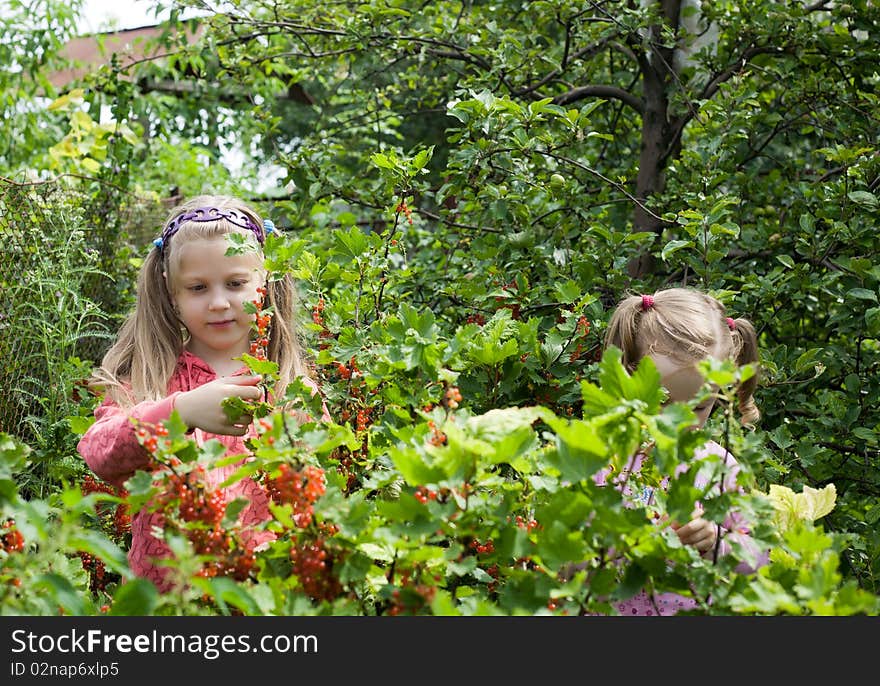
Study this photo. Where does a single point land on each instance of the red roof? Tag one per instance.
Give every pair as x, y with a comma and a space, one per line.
92, 51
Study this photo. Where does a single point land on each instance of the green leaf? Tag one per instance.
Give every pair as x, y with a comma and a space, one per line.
580, 452
140, 489
568, 291
809, 505
807, 359
644, 384
596, 401
224, 590
872, 321
489, 353
864, 198
785, 261
865, 434
674, 246
61, 591
13, 454
235, 408
413, 468
862, 294
79, 425
351, 244
233, 509
260, 367
99, 545
382, 161
507, 431
559, 545
135, 598
421, 159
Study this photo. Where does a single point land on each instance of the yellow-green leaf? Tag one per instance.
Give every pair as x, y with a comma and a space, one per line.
808, 506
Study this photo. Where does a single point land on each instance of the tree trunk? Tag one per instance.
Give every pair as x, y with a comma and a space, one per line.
657, 132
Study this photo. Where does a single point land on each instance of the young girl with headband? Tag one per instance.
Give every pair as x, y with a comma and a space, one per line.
677, 328
177, 351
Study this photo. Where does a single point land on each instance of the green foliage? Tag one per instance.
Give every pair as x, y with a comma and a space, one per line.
48, 319
466, 190
504, 512
31, 37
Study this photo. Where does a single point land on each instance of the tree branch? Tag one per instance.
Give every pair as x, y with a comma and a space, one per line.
610, 92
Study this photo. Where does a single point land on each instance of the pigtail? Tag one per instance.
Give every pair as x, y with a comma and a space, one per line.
745, 351
285, 347
623, 328
159, 334
139, 364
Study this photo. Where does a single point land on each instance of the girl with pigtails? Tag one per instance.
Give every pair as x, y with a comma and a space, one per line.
178, 350
677, 328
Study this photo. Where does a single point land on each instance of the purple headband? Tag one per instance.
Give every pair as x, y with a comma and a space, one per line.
210, 214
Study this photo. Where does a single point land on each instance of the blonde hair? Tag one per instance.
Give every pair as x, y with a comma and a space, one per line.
688, 326
141, 362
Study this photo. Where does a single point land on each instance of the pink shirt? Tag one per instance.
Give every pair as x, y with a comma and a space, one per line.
733, 528
112, 451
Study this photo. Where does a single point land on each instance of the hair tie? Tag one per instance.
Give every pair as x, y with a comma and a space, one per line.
268, 226
647, 302
731, 323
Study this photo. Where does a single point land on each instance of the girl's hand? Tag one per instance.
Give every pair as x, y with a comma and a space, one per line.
202, 407
699, 533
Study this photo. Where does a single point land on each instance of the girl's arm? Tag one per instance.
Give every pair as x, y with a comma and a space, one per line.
735, 531
736, 534
110, 446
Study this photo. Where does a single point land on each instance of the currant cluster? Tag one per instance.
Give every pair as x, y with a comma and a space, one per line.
149, 434
11, 539
407, 211
529, 525
318, 318
582, 329
347, 371
452, 397
232, 561
313, 566
509, 299
364, 419
412, 597
200, 511
260, 346
311, 560
437, 438
492, 570
195, 502
347, 464
300, 488
487, 547
355, 389
117, 523
97, 572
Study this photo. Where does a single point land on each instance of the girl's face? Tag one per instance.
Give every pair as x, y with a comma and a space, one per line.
683, 381
209, 288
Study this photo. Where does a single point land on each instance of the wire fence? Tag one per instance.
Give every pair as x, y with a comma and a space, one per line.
66, 276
